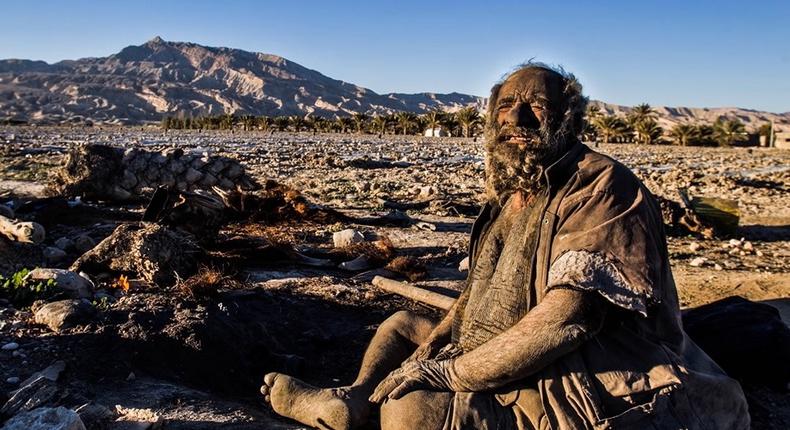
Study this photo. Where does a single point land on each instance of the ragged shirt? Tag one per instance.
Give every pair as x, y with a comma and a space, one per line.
600, 230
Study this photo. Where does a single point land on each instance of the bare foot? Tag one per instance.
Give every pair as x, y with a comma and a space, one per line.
324, 408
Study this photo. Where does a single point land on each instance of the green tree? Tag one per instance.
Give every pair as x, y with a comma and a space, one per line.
433, 119
380, 124
728, 131
684, 134
281, 123
648, 131
297, 123
610, 127
406, 122
642, 112
360, 122
469, 120
343, 124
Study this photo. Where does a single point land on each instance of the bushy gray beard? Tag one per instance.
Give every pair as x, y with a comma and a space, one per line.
511, 167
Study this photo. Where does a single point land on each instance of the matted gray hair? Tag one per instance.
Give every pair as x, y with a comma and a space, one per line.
572, 122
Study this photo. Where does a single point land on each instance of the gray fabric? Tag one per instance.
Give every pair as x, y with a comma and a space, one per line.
498, 293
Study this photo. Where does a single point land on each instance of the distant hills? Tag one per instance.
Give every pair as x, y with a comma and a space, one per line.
144, 83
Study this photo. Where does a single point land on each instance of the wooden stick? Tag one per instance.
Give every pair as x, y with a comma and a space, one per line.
30, 232
415, 293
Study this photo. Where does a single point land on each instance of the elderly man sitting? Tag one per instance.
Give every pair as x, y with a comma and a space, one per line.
570, 316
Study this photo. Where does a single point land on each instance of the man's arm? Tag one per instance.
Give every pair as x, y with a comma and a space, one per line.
559, 324
439, 337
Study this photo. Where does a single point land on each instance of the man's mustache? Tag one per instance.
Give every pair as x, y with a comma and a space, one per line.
509, 132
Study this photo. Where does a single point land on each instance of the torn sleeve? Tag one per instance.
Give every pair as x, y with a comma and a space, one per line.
611, 242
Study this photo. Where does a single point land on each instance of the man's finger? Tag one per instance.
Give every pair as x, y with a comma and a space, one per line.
384, 388
404, 388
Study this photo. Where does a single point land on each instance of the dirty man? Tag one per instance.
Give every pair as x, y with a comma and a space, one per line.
570, 316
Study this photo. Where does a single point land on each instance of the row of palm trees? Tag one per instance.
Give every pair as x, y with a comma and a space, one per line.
466, 122
641, 126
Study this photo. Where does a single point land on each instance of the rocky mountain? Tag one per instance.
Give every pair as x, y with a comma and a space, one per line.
670, 116
158, 78
143, 83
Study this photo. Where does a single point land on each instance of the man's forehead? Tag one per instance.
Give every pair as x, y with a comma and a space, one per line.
531, 80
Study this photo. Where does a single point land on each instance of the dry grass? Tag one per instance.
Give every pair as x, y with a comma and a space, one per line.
409, 267
206, 283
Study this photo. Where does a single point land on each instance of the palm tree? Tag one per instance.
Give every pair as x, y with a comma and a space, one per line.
451, 125
610, 126
648, 131
469, 120
727, 132
433, 119
343, 123
360, 121
281, 123
593, 112
263, 122
641, 113
248, 122
227, 122
684, 134
380, 124
406, 121
297, 123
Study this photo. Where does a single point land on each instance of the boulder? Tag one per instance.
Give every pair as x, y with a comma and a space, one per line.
347, 237
58, 418
77, 286
64, 314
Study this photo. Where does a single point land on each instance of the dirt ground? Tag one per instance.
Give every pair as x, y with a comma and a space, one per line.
196, 362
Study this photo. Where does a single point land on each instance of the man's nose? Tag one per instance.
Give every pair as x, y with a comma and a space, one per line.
521, 115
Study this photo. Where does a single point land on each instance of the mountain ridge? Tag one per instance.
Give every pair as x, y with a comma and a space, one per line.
143, 83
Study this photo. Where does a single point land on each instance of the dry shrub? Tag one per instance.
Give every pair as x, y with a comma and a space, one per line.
206, 283
378, 253
409, 267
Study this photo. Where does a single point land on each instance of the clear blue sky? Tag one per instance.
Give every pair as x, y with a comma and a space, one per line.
676, 53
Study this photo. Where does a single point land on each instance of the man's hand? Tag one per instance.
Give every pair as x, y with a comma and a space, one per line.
425, 351
416, 375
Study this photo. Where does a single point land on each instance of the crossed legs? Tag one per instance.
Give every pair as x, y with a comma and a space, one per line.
348, 407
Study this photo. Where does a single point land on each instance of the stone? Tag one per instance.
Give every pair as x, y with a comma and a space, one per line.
51, 372
13, 380
6, 211
357, 264
76, 285
747, 246
64, 314
463, 266
84, 243
148, 251
93, 415
53, 254
734, 242
192, 175
697, 262
30, 396
347, 237
58, 418
64, 243
10, 346
695, 246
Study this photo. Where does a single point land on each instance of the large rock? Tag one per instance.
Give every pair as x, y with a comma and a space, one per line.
347, 237
58, 418
64, 314
77, 286
147, 251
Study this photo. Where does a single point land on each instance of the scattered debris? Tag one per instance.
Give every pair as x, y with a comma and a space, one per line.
21, 231
347, 237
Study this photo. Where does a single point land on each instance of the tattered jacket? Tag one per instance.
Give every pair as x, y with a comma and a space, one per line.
601, 231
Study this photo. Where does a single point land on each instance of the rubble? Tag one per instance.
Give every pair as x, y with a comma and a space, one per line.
104, 172
148, 251
347, 237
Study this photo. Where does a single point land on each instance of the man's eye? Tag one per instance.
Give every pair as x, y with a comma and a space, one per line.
538, 107
504, 107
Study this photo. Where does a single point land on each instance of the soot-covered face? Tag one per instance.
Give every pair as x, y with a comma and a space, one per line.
525, 112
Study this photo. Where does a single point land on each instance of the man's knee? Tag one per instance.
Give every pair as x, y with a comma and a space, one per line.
416, 410
407, 324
